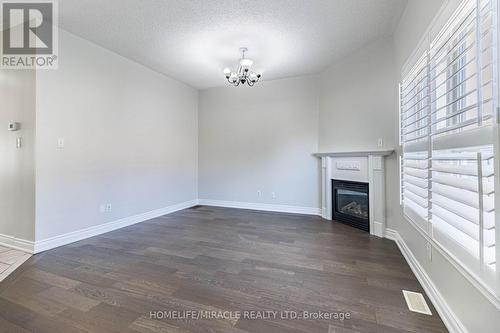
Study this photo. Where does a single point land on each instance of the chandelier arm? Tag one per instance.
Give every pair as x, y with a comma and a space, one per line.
251, 83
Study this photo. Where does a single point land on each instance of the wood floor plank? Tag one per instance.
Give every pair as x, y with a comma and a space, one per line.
147, 325
8, 327
51, 279
211, 260
69, 298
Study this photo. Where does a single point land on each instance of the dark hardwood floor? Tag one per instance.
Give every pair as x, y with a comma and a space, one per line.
215, 259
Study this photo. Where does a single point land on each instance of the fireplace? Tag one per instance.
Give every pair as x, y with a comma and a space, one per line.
367, 168
350, 203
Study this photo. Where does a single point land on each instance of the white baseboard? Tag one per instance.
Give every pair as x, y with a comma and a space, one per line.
71, 237
75, 236
262, 207
452, 322
378, 229
17, 243
391, 234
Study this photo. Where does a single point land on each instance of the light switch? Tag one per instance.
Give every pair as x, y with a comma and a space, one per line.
19, 143
60, 143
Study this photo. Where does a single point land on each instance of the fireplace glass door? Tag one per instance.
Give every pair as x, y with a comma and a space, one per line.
351, 204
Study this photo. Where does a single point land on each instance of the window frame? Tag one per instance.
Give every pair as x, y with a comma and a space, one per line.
491, 289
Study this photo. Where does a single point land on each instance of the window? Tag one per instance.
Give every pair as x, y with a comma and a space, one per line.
449, 139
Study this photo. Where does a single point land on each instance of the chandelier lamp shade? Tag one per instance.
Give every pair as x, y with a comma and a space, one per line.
243, 74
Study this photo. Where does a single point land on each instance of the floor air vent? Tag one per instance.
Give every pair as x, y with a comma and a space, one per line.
416, 302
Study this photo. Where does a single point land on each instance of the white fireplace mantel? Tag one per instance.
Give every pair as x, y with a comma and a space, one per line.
359, 153
362, 166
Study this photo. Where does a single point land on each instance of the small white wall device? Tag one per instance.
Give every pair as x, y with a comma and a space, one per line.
14, 126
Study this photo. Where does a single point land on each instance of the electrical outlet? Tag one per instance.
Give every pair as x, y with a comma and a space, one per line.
259, 193
108, 208
273, 195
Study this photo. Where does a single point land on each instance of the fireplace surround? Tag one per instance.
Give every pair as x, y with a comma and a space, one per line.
366, 167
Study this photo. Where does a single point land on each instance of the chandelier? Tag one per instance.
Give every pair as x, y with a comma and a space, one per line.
243, 75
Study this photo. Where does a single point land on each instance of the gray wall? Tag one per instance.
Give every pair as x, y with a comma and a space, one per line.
475, 312
245, 146
17, 186
358, 105
130, 135
414, 21
260, 139
357, 100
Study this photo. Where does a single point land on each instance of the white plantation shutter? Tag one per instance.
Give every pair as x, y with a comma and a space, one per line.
461, 70
449, 139
463, 207
415, 131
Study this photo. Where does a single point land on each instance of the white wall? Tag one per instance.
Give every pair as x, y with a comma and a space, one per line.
130, 140
17, 186
414, 21
358, 105
260, 138
474, 311
357, 100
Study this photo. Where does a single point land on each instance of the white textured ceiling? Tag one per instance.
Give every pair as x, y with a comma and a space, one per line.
193, 40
